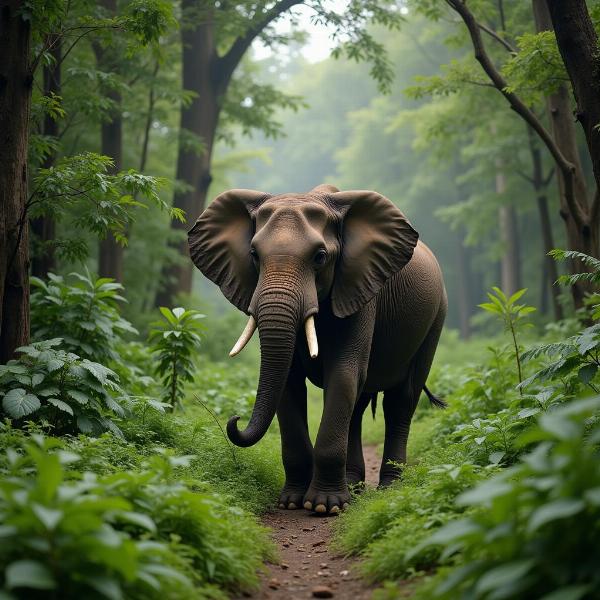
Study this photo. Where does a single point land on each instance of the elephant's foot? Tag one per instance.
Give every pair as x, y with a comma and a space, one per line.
387, 476
355, 476
326, 499
292, 496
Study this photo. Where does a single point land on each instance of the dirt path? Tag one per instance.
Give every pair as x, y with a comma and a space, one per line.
308, 568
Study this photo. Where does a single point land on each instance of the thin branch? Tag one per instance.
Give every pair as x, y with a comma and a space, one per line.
506, 44
566, 167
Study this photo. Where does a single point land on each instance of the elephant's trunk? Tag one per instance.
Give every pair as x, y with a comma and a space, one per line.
279, 309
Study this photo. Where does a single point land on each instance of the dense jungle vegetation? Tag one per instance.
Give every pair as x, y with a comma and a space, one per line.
121, 119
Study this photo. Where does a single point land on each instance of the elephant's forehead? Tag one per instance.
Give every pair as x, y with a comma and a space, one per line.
294, 210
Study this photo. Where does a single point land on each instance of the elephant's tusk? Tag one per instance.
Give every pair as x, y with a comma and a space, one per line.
245, 337
311, 337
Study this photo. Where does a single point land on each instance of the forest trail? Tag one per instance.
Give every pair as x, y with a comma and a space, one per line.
309, 568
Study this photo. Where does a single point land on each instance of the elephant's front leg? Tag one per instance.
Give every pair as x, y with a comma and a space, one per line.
328, 491
296, 448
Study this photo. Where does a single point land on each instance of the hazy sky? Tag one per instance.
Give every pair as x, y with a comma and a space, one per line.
318, 46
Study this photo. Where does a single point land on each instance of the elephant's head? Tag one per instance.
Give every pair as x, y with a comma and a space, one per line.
277, 257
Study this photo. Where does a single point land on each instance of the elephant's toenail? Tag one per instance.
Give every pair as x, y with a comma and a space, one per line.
345, 505
334, 510
281, 505
320, 508
308, 505
292, 506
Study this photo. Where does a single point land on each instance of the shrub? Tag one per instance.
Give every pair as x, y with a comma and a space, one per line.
174, 341
82, 313
534, 528
75, 539
60, 388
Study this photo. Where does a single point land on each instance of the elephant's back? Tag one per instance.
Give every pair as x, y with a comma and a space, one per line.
407, 306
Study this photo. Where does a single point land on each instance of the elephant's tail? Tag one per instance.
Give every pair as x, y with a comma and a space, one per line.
374, 404
435, 401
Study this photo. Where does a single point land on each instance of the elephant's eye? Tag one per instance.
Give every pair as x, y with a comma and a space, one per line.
320, 257
254, 254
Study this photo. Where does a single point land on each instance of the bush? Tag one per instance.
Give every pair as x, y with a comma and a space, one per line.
83, 314
60, 388
155, 513
174, 340
74, 538
534, 528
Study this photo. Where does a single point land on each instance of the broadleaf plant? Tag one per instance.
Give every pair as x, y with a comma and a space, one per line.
61, 389
83, 311
174, 340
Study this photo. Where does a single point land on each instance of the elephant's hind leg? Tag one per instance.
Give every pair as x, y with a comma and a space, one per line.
355, 462
399, 404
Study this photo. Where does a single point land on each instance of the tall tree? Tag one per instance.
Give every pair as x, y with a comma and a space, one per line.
110, 252
207, 70
584, 216
44, 227
16, 79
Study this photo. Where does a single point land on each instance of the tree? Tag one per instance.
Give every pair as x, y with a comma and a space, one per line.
215, 39
584, 216
110, 251
16, 78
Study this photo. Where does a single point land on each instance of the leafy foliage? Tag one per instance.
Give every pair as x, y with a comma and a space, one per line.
512, 315
174, 340
61, 389
81, 187
83, 312
122, 535
527, 521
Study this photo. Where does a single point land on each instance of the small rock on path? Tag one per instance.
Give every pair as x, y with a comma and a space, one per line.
308, 568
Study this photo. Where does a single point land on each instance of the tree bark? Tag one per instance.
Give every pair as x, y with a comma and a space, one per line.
549, 269
578, 45
43, 261
510, 266
15, 101
110, 252
200, 118
563, 131
207, 74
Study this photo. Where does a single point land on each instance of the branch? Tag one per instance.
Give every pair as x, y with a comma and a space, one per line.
566, 167
507, 45
228, 62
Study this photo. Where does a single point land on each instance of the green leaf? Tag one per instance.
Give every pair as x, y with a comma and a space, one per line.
178, 312
553, 511
570, 592
587, 373
502, 575
17, 403
79, 396
28, 574
60, 405
48, 516
168, 315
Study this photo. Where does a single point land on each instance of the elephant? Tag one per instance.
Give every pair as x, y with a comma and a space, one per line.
343, 293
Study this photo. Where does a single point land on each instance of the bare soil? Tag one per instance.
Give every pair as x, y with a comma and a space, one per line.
309, 568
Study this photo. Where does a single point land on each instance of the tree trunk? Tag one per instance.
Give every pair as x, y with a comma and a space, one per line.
579, 237
549, 269
200, 119
578, 45
110, 252
510, 273
44, 227
465, 296
15, 100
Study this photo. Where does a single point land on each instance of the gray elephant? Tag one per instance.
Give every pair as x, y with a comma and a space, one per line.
342, 292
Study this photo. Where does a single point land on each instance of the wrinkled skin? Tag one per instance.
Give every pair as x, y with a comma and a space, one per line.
353, 261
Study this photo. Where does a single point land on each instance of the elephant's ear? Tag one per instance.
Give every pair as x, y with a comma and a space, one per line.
220, 244
377, 241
